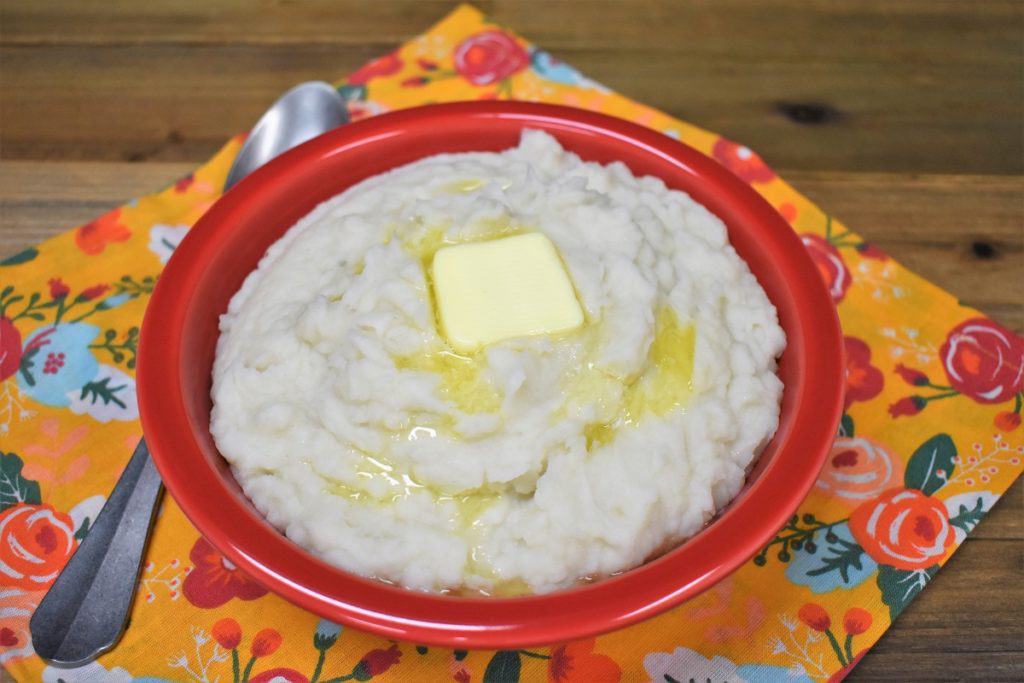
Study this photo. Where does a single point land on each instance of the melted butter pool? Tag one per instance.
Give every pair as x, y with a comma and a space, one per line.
464, 186
462, 380
664, 386
425, 242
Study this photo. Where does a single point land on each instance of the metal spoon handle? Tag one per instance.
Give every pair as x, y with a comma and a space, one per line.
86, 609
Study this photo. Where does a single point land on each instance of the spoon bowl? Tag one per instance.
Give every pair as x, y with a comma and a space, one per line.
304, 112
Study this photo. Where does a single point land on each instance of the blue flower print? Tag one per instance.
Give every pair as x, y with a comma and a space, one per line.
766, 673
115, 301
557, 71
57, 361
837, 562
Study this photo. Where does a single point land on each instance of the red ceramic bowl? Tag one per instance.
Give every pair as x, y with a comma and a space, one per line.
179, 336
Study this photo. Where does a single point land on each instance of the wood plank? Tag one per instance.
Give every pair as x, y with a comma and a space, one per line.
964, 233
785, 31
41, 199
969, 595
919, 219
938, 666
84, 182
138, 103
965, 626
910, 86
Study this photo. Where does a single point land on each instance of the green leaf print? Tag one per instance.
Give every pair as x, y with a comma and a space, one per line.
83, 530
15, 488
968, 518
900, 586
26, 365
352, 93
21, 257
846, 555
103, 391
120, 351
504, 667
846, 427
931, 464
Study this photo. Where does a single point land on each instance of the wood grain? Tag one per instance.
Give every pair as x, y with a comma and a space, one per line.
901, 118
959, 628
931, 223
914, 85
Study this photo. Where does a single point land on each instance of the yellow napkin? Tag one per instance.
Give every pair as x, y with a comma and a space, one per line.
929, 441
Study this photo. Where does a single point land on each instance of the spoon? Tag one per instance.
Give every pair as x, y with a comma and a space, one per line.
86, 610
304, 112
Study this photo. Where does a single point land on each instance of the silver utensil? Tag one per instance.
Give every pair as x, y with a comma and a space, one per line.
86, 610
304, 112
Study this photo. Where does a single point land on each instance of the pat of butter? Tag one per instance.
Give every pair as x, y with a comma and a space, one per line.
501, 289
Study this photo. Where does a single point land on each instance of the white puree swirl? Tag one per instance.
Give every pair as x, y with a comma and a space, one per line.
537, 462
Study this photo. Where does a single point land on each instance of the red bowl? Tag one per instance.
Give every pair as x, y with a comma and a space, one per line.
180, 332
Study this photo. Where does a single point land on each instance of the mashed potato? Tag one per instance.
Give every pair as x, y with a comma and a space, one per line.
536, 462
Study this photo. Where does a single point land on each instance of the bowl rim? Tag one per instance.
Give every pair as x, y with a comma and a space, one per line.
267, 556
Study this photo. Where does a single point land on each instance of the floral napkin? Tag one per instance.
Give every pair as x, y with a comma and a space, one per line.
929, 441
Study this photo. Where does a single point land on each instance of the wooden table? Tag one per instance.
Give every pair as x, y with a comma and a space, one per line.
902, 117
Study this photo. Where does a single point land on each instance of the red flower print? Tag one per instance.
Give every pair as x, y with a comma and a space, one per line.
815, 617
58, 290
858, 469
54, 362
213, 580
1007, 421
383, 66
92, 238
863, 380
93, 292
576, 663
984, 360
742, 161
871, 251
856, 621
35, 543
830, 264
8, 638
266, 643
459, 671
903, 528
184, 183
788, 211
911, 376
279, 675
227, 633
10, 348
376, 662
488, 57
909, 405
